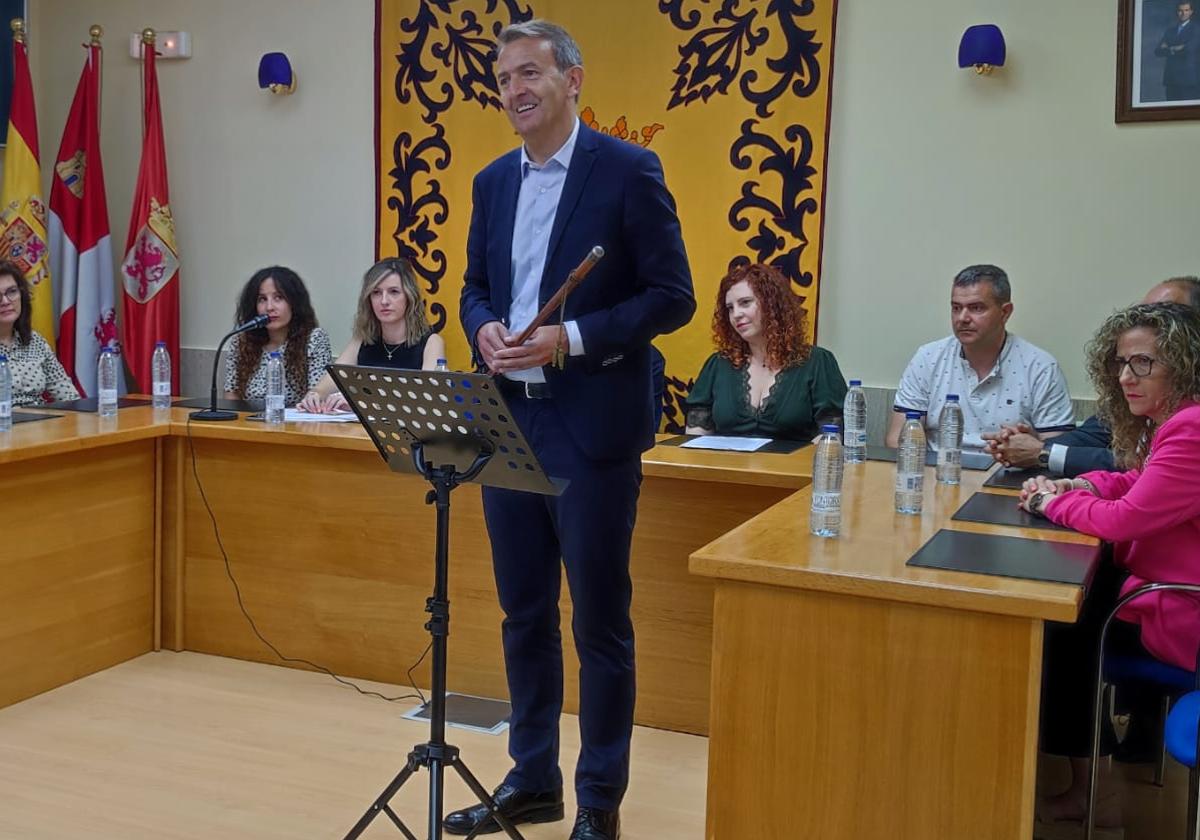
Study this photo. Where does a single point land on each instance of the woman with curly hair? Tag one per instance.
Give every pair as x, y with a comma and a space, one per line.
1145, 365
390, 330
279, 293
765, 380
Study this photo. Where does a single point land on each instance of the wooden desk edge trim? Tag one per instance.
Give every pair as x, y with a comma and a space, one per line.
1065, 609
81, 443
724, 475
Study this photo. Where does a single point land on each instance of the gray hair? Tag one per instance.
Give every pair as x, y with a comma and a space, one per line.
985, 273
566, 51
1189, 284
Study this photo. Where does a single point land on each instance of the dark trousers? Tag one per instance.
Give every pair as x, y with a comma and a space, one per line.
588, 529
1069, 660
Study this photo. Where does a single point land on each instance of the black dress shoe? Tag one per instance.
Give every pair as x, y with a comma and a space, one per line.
517, 805
594, 824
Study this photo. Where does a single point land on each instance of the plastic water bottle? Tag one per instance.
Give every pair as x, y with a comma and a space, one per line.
910, 465
274, 407
854, 419
5, 394
950, 436
106, 383
160, 370
825, 518
442, 366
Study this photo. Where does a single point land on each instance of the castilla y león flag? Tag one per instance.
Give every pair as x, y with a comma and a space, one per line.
80, 245
22, 212
150, 272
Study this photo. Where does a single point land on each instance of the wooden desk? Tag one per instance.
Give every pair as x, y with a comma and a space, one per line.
334, 556
855, 697
77, 574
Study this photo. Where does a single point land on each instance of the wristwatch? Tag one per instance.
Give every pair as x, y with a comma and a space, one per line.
1043, 460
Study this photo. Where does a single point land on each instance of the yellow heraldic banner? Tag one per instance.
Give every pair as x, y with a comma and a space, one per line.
733, 96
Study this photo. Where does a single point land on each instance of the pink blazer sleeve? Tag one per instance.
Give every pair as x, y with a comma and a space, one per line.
1160, 497
1112, 485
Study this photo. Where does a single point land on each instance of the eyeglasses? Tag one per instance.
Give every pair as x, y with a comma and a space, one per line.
1140, 365
11, 293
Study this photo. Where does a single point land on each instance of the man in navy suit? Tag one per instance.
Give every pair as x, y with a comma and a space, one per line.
1088, 447
1180, 46
538, 210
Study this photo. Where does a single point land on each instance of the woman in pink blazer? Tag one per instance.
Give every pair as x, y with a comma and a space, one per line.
1145, 364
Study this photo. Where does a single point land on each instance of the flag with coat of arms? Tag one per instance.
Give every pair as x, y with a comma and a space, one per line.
22, 211
80, 244
150, 271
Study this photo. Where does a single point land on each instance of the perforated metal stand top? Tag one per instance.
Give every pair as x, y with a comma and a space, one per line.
450, 414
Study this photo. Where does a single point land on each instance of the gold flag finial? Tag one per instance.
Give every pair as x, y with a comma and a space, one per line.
96, 33
18, 29
147, 35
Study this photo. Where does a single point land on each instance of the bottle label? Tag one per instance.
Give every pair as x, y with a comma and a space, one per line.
274, 402
5, 409
827, 502
107, 396
949, 457
162, 389
855, 437
910, 482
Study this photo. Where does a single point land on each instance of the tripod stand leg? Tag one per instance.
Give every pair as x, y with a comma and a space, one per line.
436, 779
382, 804
486, 798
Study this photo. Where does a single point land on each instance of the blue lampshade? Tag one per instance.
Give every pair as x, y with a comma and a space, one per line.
981, 45
275, 72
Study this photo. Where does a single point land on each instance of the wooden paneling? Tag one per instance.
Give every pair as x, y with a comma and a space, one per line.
845, 718
334, 555
77, 571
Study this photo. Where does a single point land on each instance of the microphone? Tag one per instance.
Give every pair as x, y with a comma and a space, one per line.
253, 324
212, 412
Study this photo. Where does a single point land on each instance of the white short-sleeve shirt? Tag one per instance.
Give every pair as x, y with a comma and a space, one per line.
1026, 385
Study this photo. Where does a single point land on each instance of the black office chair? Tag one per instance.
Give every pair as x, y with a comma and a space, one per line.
1193, 829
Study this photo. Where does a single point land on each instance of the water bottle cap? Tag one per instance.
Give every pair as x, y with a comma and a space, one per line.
830, 429
104, 350
855, 383
912, 415
952, 398
275, 354
162, 344
3, 357
441, 361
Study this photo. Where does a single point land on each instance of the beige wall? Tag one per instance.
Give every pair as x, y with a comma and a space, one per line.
931, 167
255, 179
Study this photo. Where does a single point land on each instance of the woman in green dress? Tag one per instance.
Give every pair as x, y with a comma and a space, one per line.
765, 380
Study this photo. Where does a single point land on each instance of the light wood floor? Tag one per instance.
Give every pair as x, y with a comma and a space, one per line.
182, 746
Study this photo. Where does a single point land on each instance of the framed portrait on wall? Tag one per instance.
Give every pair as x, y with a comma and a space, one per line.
1158, 60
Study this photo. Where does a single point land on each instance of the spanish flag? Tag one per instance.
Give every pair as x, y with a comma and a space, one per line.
22, 212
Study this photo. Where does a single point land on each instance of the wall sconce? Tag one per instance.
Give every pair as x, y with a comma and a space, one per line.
982, 47
275, 73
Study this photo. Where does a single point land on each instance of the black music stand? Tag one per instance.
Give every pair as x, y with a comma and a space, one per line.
432, 424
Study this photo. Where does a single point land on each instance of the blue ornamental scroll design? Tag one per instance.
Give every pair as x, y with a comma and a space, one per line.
464, 50
711, 60
418, 216
781, 217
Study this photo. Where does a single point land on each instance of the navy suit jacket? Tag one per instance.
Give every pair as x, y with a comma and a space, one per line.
1182, 68
614, 196
1088, 448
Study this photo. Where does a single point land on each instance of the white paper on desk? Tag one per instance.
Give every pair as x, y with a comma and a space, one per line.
729, 444
295, 415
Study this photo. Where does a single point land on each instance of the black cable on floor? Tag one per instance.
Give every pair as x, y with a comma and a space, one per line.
241, 605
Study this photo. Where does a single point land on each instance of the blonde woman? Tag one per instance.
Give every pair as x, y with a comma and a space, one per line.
390, 330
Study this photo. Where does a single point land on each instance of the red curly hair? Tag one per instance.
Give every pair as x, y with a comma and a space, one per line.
781, 313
